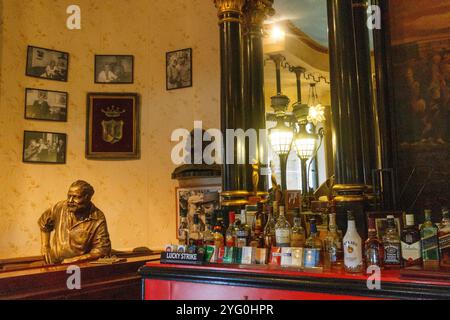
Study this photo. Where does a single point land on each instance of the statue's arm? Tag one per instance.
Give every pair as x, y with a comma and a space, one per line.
45, 247
46, 223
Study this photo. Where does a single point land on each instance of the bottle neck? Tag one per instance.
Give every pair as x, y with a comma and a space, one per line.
351, 225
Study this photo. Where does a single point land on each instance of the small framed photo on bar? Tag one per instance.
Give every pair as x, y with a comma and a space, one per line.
47, 64
45, 105
44, 147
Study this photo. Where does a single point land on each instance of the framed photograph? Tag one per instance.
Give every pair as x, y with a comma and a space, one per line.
44, 147
45, 105
114, 69
112, 130
293, 199
381, 221
179, 69
203, 199
47, 64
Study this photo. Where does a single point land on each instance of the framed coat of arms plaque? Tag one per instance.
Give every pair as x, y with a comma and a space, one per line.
112, 126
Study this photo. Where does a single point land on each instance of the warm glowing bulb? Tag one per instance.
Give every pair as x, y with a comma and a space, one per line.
277, 34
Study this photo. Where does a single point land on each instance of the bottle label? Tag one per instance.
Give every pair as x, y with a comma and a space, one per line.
229, 241
373, 257
392, 254
411, 252
430, 247
352, 254
312, 257
282, 237
444, 241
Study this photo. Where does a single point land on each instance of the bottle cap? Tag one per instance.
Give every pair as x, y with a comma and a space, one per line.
350, 215
372, 224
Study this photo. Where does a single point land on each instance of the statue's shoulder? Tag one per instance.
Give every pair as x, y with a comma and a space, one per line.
97, 213
59, 205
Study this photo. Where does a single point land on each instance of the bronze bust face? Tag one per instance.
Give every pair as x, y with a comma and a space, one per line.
79, 228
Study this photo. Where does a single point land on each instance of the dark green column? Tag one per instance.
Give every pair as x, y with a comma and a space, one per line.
234, 176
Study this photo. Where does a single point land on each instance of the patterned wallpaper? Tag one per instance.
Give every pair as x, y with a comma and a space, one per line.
136, 196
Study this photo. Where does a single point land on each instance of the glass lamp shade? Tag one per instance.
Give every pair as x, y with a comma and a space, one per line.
281, 138
305, 145
316, 114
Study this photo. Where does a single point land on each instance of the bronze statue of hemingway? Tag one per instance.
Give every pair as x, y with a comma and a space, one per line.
80, 231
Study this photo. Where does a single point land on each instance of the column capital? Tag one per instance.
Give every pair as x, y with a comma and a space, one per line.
229, 6
257, 11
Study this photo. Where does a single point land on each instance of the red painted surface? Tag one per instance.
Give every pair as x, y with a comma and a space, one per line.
173, 290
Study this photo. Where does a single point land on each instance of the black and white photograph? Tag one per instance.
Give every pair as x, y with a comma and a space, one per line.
179, 69
201, 200
44, 147
47, 64
114, 69
45, 105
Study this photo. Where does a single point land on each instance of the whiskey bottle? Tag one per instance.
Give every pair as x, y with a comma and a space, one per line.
313, 247
242, 232
353, 262
183, 229
230, 234
298, 233
444, 238
411, 250
282, 230
429, 242
391, 244
332, 245
269, 230
373, 248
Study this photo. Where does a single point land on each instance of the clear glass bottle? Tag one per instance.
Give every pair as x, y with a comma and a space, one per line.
332, 245
444, 238
373, 247
353, 262
230, 234
410, 241
282, 230
242, 232
183, 229
218, 231
298, 236
269, 230
313, 247
429, 242
391, 245
208, 236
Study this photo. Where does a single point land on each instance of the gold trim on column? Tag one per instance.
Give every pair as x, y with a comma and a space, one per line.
235, 193
257, 11
226, 6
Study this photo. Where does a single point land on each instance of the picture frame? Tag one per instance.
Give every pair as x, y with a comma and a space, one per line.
47, 64
47, 105
381, 221
189, 198
44, 147
293, 200
113, 126
179, 69
114, 69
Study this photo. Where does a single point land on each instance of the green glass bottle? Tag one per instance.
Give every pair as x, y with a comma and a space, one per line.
429, 240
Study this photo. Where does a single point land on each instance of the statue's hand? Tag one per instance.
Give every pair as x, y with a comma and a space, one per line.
70, 260
45, 251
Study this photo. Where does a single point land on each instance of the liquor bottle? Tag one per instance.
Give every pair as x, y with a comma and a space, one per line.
298, 237
444, 238
429, 242
392, 245
220, 225
230, 234
353, 262
183, 229
242, 232
208, 234
195, 236
411, 251
282, 230
332, 245
269, 230
219, 231
373, 248
313, 247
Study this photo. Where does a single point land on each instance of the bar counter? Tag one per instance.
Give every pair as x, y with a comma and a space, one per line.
98, 281
268, 282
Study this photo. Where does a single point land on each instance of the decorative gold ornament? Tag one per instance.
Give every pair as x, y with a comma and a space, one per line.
227, 6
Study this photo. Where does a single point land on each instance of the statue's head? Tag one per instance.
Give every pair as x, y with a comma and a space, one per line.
79, 196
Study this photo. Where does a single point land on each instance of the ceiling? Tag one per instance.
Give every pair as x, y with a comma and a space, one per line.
310, 16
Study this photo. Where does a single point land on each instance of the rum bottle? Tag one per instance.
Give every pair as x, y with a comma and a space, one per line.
392, 245
411, 250
332, 245
353, 262
429, 242
444, 238
373, 248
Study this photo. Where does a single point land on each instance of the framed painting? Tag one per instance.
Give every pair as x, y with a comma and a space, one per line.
203, 200
112, 129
